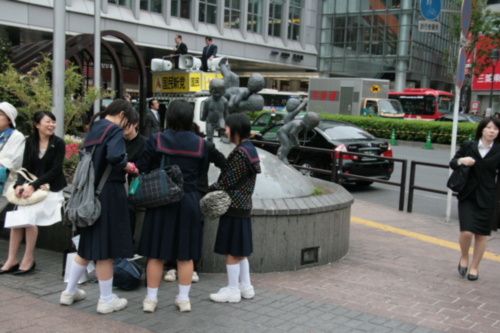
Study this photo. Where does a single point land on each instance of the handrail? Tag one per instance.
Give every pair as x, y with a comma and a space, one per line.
335, 175
414, 187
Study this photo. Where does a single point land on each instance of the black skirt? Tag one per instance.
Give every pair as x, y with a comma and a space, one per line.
173, 232
234, 236
474, 218
110, 236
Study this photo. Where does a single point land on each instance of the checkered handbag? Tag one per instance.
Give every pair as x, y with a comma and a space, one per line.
158, 188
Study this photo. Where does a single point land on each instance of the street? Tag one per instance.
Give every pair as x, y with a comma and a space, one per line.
423, 202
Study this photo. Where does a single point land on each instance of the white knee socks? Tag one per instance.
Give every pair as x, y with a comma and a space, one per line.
106, 288
75, 273
183, 293
245, 273
233, 273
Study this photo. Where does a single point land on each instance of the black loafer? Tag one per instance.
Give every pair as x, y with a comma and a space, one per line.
12, 269
21, 272
471, 277
462, 270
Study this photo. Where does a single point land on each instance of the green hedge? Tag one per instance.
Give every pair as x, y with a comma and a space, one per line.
410, 130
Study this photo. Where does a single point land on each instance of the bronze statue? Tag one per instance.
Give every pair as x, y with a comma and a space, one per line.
287, 134
214, 110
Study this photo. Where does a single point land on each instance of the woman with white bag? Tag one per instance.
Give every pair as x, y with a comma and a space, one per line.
11, 157
43, 157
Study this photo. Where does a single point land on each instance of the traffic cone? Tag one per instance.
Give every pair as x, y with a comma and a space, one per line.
393, 138
428, 144
470, 137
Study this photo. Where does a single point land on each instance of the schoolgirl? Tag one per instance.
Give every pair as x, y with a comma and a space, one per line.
234, 234
110, 236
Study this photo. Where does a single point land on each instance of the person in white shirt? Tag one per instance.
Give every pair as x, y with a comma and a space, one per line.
11, 159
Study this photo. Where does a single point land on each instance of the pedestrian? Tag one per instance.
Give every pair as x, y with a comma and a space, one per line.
476, 202
234, 234
11, 157
209, 53
134, 143
152, 119
173, 232
219, 160
109, 237
179, 49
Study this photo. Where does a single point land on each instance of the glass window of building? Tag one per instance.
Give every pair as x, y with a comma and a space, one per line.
181, 8
232, 13
254, 23
151, 5
208, 11
275, 8
294, 19
125, 3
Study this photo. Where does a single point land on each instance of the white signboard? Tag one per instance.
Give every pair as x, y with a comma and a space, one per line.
429, 26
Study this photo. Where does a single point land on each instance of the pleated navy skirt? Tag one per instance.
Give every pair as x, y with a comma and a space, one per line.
234, 236
173, 232
110, 236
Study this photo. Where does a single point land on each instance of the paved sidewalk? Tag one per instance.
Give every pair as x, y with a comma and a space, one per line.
388, 282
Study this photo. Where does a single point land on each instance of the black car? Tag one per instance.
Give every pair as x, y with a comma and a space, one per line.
462, 118
337, 136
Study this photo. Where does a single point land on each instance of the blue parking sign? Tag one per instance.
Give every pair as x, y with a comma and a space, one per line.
430, 9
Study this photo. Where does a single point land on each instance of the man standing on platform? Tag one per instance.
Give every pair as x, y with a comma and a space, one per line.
179, 49
209, 52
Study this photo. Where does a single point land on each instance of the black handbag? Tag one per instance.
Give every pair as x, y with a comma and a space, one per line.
159, 188
126, 274
459, 177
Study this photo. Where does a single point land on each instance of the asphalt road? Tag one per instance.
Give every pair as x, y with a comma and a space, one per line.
423, 202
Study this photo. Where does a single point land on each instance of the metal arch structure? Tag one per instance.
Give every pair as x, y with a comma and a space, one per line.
26, 55
142, 71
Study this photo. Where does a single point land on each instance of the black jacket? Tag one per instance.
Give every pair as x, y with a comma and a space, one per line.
181, 49
212, 52
151, 124
49, 169
482, 174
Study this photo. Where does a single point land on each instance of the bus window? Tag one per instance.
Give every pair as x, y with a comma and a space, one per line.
445, 104
418, 105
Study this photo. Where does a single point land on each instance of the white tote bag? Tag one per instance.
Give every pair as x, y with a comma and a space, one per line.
23, 217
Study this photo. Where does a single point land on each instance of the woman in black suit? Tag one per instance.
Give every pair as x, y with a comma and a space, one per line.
476, 203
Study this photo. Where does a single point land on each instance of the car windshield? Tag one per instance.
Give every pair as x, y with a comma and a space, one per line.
341, 131
390, 106
445, 104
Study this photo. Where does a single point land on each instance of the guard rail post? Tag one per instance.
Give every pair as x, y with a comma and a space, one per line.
403, 187
410, 190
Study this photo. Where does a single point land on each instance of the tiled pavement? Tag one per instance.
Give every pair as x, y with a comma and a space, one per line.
387, 283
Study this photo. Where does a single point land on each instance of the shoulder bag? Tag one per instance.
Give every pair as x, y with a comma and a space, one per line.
458, 178
160, 187
37, 196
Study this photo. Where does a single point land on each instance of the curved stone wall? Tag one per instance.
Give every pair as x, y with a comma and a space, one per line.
283, 228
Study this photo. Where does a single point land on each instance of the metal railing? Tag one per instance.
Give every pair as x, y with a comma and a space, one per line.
336, 177
414, 187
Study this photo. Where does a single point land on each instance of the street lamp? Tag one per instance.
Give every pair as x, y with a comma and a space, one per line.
494, 59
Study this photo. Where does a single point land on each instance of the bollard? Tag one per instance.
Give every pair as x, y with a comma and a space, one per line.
393, 138
428, 144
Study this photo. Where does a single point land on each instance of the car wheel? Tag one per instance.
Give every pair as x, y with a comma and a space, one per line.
307, 164
363, 183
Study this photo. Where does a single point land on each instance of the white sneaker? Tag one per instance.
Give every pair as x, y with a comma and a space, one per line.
226, 295
68, 299
116, 304
184, 306
195, 277
171, 276
247, 292
149, 305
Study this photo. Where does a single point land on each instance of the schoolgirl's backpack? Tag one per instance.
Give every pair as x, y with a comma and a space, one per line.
83, 207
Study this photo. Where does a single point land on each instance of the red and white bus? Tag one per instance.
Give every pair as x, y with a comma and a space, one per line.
424, 104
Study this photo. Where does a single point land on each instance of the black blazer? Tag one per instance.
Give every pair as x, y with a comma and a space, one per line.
50, 168
181, 49
204, 56
482, 174
151, 124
